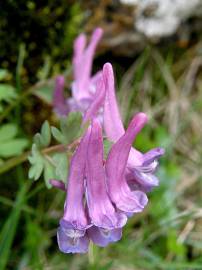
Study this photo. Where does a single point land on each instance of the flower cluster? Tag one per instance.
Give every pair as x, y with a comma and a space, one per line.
101, 194
84, 85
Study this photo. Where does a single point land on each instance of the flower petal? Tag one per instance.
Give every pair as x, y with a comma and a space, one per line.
119, 191
79, 49
100, 208
146, 180
73, 243
74, 209
113, 125
153, 155
96, 103
59, 103
102, 237
82, 64
90, 50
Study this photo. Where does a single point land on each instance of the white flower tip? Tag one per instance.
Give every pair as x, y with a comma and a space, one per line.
140, 119
107, 67
108, 72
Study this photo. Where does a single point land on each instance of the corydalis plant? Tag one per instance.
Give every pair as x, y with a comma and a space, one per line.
84, 84
101, 193
140, 167
99, 199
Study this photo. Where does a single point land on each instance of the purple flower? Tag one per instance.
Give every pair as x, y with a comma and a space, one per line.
102, 237
57, 184
101, 195
71, 239
71, 234
140, 167
84, 85
95, 109
105, 218
96, 219
121, 195
101, 211
59, 102
142, 177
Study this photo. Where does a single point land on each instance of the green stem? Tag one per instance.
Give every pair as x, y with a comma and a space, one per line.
91, 255
13, 162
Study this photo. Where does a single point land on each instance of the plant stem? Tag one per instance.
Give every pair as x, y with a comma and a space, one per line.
13, 162
91, 255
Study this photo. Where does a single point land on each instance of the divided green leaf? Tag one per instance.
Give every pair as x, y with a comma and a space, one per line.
43, 138
49, 172
57, 134
54, 166
37, 162
61, 162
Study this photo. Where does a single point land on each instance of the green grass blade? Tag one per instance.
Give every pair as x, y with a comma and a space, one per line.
8, 230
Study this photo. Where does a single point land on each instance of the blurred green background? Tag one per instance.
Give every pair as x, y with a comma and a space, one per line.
163, 80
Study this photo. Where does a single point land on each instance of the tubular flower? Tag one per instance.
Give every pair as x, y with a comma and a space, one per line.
84, 85
140, 166
124, 199
101, 210
99, 199
100, 194
106, 220
71, 234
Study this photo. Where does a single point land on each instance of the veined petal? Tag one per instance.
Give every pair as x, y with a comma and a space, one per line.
59, 102
102, 237
119, 191
90, 50
142, 176
74, 212
152, 155
71, 240
141, 181
100, 208
79, 49
135, 158
113, 125
147, 180
82, 61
